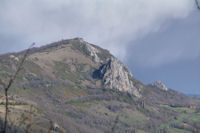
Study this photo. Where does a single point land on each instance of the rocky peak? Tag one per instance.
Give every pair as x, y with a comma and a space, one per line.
98, 55
93, 52
160, 85
78, 39
115, 75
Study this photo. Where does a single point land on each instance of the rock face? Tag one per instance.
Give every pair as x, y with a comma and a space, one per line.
115, 75
93, 52
160, 85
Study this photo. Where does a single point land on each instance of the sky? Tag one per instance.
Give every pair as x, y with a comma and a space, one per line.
156, 39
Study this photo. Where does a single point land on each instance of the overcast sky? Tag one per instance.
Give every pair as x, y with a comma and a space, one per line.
157, 39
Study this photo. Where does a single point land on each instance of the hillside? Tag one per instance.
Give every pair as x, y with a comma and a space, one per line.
83, 88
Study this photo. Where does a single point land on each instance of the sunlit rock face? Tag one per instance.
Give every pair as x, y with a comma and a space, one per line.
116, 75
160, 85
93, 52
112, 72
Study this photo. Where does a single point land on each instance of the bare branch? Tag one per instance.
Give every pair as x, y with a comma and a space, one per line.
19, 67
6, 88
50, 127
197, 3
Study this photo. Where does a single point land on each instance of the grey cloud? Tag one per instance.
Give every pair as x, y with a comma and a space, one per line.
180, 41
112, 24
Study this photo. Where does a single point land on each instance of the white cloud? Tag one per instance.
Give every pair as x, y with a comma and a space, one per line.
112, 24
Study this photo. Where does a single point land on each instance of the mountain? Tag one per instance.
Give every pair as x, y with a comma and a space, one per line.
82, 88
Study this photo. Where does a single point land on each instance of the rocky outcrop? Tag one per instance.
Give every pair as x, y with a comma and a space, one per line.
160, 85
14, 57
115, 75
93, 52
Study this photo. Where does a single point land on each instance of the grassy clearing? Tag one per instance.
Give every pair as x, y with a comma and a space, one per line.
184, 113
133, 117
176, 130
195, 118
141, 131
181, 117
184, 109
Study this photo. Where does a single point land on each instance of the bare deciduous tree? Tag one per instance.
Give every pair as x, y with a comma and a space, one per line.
10, 82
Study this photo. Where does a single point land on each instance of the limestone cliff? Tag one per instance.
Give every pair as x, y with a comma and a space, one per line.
115, 75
